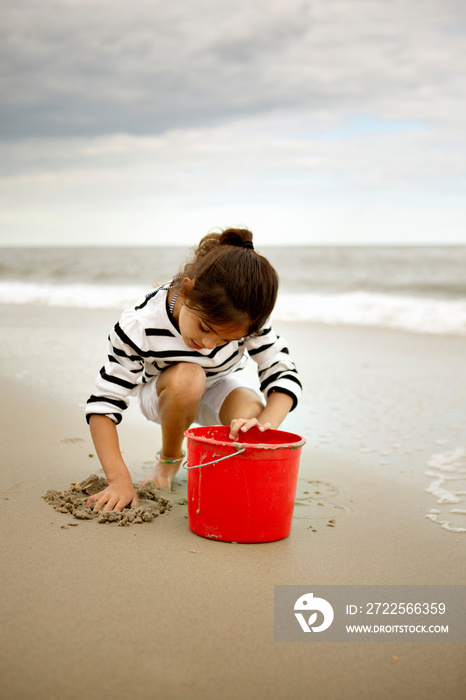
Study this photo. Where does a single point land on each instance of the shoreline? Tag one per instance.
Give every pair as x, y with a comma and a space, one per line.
152, 609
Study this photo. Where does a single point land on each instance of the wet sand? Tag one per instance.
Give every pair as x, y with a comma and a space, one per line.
153, 611
74, 501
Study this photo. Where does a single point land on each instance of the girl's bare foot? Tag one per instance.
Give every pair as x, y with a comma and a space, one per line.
163, 473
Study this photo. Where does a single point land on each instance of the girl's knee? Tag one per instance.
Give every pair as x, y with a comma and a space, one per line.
184, 380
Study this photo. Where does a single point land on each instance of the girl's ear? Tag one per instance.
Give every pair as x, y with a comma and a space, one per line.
187, 285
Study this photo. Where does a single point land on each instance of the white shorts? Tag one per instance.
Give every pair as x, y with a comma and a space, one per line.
214, 396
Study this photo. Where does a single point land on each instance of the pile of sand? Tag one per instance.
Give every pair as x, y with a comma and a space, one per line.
73, 502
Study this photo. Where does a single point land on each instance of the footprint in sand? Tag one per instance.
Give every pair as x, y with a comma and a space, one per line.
319, 501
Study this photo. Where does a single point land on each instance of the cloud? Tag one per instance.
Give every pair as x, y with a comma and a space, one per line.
94, 67
284, 161
327, 118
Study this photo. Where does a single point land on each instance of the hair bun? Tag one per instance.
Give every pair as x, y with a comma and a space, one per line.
237, 237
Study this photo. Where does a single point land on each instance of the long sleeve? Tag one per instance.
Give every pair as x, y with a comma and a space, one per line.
277, 371
124, 367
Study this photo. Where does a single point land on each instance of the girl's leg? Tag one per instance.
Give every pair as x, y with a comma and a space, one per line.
240, 403
180, 389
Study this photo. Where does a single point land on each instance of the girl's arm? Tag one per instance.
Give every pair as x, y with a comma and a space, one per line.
120, 490
277, 371
279, 381
275, 411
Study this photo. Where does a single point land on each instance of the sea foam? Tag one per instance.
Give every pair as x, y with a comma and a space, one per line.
410, 313
79, 295
448, 471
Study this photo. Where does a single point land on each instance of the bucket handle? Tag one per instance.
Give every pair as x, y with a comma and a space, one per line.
239, 450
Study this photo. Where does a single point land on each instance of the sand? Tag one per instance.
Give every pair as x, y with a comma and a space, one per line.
153, 611
73, 501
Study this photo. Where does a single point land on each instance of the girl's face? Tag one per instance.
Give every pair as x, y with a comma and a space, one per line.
199, 334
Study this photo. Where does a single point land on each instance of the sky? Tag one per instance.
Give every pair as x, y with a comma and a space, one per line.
308, 121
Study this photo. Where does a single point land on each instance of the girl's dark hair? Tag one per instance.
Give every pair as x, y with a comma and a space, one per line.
232, 283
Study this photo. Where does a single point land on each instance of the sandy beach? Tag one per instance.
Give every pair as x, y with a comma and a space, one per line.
95, 610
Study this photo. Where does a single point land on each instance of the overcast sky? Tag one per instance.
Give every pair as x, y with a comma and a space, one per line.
310, 121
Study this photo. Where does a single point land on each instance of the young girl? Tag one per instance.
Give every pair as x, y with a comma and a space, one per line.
183, 350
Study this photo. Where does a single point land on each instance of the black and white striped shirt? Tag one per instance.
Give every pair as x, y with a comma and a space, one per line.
147, 340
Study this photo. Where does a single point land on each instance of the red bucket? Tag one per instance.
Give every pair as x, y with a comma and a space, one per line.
242, 491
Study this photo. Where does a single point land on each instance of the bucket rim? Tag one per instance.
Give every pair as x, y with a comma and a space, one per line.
246, 446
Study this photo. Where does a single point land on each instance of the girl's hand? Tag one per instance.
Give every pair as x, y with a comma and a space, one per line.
242, 425
115, 497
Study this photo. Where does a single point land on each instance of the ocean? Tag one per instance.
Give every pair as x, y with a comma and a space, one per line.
416, 289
